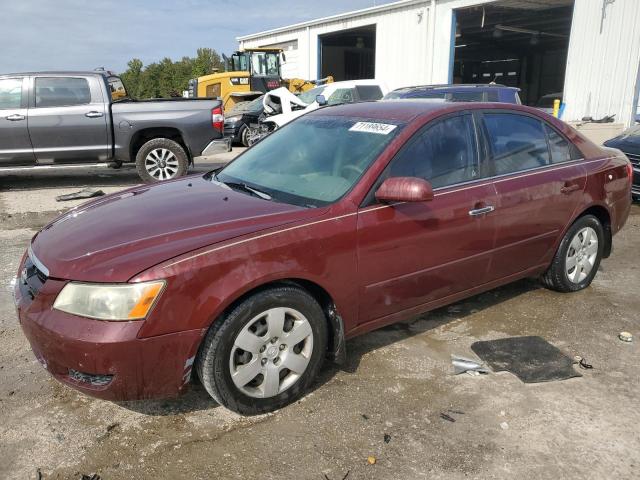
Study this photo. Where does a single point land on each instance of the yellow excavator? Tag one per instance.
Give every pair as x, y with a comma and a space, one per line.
249, 73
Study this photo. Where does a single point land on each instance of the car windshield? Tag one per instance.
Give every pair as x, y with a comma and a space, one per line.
250, 106
415, 94
312, 161
309, 96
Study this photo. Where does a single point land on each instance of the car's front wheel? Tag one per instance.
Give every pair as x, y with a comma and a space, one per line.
265, 352
578, 257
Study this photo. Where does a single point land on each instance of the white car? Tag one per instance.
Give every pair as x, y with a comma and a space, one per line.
282, 106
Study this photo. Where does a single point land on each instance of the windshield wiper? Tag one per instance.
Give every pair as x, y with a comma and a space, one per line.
246, 188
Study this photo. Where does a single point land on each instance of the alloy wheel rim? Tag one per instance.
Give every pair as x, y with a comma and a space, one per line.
581, 255
271, 352
161, 164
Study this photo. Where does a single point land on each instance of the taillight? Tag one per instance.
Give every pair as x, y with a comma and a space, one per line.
217, 119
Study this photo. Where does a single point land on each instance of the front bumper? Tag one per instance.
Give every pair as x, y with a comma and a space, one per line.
105, 359
217, 146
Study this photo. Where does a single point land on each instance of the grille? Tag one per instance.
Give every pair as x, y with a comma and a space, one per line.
90, 378
634, 158
31, 279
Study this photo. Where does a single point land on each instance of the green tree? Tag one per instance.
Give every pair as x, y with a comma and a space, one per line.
167, 78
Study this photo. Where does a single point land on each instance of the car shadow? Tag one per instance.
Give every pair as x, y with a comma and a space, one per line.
358, 347
197, 398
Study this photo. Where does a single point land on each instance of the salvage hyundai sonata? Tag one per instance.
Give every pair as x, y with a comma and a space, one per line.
348, 219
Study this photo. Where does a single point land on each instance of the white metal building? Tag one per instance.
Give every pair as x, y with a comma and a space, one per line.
589, 50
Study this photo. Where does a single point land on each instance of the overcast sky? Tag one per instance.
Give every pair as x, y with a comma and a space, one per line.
84, 34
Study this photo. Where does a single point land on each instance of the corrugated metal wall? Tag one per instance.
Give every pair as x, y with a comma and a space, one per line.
401, 44
603, 62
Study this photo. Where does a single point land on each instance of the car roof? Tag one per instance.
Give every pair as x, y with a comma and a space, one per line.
104, 73
406, 110
459, 86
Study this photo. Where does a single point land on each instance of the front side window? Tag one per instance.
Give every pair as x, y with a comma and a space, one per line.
10, 93
312, 161
444, 154
62, 91
517, 142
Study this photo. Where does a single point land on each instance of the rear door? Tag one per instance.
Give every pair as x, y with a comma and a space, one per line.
539, 182
68, 119
15, 145
411, 254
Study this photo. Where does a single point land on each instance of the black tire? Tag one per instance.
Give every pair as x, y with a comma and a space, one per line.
212, 362
178, 168
244, 135
556, 277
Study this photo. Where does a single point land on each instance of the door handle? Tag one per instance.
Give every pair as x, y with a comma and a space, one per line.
569, 187
15, 117
93, 114
481, 211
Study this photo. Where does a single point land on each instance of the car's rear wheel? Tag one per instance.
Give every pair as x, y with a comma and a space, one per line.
161, 159
576, 262
244, 135
265, 352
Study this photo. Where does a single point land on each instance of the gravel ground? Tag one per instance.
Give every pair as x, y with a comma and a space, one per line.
397, 382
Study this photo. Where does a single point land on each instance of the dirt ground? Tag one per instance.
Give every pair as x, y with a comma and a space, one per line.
397, 382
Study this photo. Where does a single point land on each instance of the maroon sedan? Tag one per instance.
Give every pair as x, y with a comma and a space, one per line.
348, 219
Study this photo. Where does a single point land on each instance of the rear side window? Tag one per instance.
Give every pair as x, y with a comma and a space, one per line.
62, 91
444, 154
492, 96
369, 92
560, 149
10, 93
517, 142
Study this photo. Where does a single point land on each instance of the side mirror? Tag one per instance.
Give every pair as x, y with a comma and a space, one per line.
404, 189
321, 100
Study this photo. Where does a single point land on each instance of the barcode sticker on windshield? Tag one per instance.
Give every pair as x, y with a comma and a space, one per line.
371, 127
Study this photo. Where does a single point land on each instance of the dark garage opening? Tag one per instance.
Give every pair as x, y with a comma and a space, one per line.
516, 43
348, 54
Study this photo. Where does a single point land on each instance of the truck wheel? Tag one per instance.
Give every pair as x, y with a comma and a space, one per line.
265, 352
161, 159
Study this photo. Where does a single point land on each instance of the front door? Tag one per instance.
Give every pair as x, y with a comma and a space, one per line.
15, 145
68, 120
412, 254
539, 185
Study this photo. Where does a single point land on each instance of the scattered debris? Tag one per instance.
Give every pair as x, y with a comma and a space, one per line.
625, 337
366, 417
84, 193
371, 460
532, 359
387, 438
112, 426
504, 426
91, 476
457, 412
584, 365
462, 365
38, 474
446, 417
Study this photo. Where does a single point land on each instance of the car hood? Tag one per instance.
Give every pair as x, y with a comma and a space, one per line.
114, 238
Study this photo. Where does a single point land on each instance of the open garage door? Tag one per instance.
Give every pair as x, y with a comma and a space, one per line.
348, 54
520, 43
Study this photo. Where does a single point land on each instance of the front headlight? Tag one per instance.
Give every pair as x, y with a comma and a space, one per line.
127, 301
